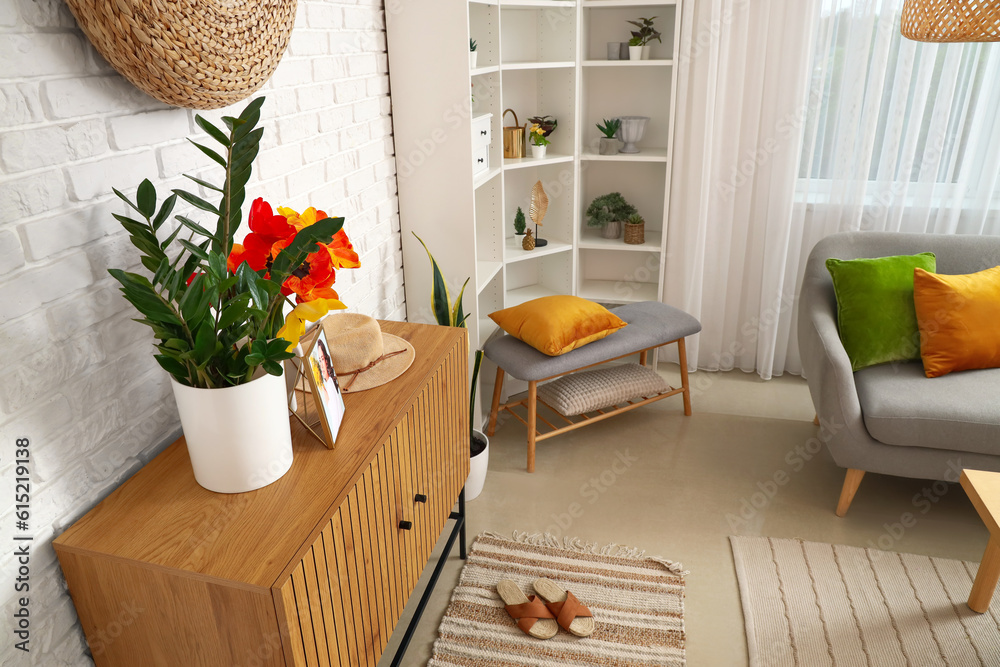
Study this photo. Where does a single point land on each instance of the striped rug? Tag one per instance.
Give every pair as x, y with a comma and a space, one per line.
637, 602
814, 604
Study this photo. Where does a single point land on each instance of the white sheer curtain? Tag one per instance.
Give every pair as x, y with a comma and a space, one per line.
893, 135
742, 77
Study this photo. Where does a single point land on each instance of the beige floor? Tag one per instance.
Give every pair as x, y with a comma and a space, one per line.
689, 484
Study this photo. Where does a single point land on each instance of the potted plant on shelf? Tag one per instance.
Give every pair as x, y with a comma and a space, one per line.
635, 48
519, 222
473, 55
609, 144
538, 133
645, 34
215, 308
635, 228
452, 315
608, 212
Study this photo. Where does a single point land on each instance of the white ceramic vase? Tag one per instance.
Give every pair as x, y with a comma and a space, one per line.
645, 51
538, 151
478, 466
635, 53
473, 59
239, 438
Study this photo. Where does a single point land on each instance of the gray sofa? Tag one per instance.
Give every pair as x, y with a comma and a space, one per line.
890, 418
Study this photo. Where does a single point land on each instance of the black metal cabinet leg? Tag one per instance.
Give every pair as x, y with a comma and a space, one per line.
462, 548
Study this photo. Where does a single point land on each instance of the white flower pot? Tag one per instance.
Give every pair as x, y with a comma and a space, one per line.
478, 466
645, 51
538, 151
239, 438
473, 58
635, 53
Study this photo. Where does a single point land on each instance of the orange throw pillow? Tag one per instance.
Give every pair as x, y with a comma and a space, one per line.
554, 325
959, 320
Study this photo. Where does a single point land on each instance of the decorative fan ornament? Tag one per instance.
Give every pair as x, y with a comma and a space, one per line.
189, 53
537, 210
951, 20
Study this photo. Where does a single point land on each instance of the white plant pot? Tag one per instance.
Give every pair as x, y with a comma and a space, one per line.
473, 58
478, 466
538, 151
645, 51
239, 438
635, 53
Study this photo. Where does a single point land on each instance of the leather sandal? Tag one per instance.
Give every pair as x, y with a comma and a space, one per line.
569, 612
531, 614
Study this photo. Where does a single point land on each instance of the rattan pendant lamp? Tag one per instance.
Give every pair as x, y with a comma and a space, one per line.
951, 20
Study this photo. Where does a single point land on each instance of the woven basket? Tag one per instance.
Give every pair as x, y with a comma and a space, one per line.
198, 55
635, 234
951, 20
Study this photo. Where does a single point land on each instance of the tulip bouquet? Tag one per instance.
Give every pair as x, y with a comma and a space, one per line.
216, 306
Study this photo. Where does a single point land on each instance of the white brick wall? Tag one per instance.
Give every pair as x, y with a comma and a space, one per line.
76, 374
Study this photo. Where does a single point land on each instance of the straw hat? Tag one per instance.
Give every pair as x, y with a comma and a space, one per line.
362, 354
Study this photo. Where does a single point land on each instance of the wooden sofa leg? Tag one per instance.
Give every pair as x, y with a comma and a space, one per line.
683, 358
497, 390
816, 420
532, 415
851, 482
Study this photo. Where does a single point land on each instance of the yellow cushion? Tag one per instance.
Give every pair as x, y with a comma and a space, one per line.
959, 320
555, 325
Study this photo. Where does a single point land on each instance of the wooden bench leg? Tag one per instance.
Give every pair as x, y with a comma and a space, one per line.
497, 390
852, 480
642, 358
532, 415
683, 358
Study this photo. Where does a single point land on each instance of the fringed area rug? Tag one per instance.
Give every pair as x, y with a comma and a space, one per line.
814, 604
637, 602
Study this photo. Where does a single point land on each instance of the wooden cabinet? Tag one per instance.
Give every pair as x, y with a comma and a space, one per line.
314, 569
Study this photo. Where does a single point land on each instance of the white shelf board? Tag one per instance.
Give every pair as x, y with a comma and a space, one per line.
658, 62
537, 4
487, 328
485, 271
485, 177
485, 2
628, 3
617, 291
516, 297
523, 162
644, 155
550, 64
513, 252
490, 69
591, 238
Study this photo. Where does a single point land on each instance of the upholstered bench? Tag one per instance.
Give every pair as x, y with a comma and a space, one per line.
650, 325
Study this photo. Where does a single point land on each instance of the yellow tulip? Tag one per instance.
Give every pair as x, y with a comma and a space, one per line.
295, 321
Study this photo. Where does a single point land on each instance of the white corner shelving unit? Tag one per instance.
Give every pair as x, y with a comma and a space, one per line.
538, 57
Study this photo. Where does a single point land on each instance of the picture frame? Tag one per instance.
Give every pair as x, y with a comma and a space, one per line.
316, 365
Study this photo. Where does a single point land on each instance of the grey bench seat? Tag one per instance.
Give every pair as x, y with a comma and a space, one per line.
650, 325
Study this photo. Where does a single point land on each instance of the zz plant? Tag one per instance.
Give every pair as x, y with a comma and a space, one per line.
215, 322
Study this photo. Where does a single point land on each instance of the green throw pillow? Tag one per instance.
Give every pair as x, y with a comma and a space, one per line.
875, 312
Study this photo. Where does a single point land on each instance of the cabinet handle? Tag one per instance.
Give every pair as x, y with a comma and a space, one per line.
420, 498
482, 132
480, 160
405, 525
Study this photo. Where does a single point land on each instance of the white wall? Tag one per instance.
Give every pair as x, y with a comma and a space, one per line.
77, 377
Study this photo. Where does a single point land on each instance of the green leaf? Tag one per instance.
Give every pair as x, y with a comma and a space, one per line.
166, 208
162, 271
178, 344
210, 153
204, 342
149, 262
272, 367
196, 201
457, 316
204, 184
235, 311
174, 367
194, 226
440, 299
195, 250
295, 253
145, 198
212, 130
217, 266
170, 239
126, 200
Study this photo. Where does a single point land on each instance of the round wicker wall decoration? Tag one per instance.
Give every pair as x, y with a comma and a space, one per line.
951, 20
198, 54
